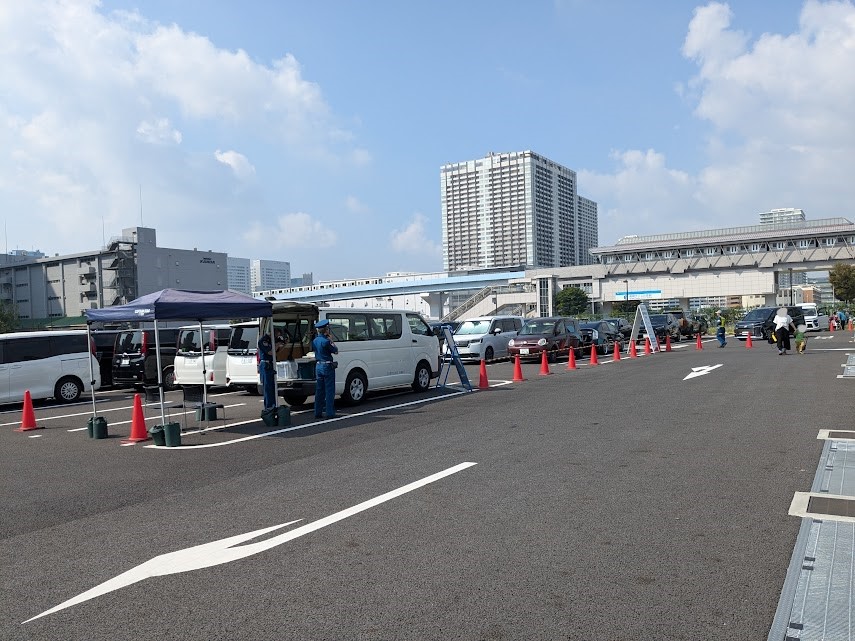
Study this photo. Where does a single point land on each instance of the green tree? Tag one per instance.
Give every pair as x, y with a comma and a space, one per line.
8, 317
842, 279
571, 301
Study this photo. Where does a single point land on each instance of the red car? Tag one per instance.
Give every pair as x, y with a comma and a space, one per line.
554, 335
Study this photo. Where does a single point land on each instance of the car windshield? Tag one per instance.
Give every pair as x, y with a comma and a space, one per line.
535, 327
129, 342
243, 339
659, 319
759, 314
474, 327
589, 325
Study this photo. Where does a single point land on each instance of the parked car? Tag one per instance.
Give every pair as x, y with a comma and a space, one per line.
758, 322
602, 335
703, 324
553, 334
485, 337
436, 328
663, 325
688, 324
621, 325
135, 358
105, 342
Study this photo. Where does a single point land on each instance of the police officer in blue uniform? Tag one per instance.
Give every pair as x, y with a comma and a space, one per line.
265, 371
324, 349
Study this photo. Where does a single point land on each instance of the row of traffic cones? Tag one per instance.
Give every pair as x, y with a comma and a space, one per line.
138, 430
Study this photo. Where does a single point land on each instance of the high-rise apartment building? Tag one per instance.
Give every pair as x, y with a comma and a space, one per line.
269, 274
779, 216
514, 209
239, 275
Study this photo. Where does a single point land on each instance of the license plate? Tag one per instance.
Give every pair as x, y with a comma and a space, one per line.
246, 360
524, 350
125, 361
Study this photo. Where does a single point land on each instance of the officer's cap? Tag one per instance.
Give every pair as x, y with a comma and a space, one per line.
321, 324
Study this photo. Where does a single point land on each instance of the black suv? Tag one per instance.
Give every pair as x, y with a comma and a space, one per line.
104, 340
758, 322
135, 357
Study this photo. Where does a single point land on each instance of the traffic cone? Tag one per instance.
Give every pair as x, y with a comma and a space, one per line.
647, 346
831, 327
616, 356
28, 416
593, 360
571, 359
667, 342
483, 383
518, 377
699, 345
633, 352
748, 343
849, 326
138, 431
544, 364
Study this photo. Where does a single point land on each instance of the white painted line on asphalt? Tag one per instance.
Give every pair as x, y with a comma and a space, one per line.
294, 428
35, 435
701, 371
229, 549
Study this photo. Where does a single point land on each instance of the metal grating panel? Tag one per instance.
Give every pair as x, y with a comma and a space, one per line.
850, 359
849, 370
838, 434
822, 505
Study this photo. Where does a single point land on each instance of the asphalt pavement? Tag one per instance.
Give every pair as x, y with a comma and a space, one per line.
621, 501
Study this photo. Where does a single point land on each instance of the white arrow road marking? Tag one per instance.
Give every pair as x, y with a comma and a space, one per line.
219, 552
700, 371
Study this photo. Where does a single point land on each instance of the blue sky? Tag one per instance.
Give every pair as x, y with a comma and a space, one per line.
313, 132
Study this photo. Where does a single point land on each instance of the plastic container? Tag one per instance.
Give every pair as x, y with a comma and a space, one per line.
157, 435
172, 434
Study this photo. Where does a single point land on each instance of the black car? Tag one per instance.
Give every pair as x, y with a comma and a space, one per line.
105, 340
135, 357
602, 335
663, 325
622, 325
758, 322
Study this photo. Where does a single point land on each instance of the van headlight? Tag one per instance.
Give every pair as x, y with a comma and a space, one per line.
511, 343
541, 342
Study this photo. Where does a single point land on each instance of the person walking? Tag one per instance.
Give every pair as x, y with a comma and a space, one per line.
325, 366
801, 340
783, 322
720, 329
265, 371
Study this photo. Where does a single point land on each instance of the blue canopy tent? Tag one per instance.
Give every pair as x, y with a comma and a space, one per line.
178, 304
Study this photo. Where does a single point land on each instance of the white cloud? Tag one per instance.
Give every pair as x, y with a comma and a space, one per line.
355, 206
413, 239
296, 230
158, 131
238, 163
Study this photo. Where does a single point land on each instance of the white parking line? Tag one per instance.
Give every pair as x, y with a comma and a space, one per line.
338, 418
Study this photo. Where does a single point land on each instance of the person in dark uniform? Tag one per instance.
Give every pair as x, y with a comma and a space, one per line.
265, 371
324, 370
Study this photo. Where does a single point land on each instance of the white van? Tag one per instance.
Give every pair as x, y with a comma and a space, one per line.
48, 364
188, 358
486, 337
377, 349
814, 320
242, 357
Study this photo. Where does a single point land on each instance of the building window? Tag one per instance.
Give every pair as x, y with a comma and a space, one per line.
688, 253
829, 242
756, 247
804, 244
710, 251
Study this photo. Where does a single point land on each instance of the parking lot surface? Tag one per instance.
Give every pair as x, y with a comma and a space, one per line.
645, 498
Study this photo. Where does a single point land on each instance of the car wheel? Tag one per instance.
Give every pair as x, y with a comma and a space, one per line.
169, 380
551, 355
488, 354
295, 399
421, 382
354, 387
68, 390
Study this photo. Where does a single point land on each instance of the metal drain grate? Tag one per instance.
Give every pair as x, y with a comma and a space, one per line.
819, 505
849, 435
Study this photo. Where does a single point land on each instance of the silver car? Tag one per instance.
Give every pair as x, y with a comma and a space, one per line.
485, 337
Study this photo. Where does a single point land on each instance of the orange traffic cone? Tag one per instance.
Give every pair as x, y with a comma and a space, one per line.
647, 346
616, 356
593, 360
28, 416
849, 327
571, 359
633, 352
544, 364
831, 327
699, 345
518, 377
667, 342
138, 431
748, 343
483, 383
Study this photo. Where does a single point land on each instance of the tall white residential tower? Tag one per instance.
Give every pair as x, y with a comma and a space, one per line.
514, 209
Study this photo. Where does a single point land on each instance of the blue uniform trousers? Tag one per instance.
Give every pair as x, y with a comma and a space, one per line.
324, 390
268, 384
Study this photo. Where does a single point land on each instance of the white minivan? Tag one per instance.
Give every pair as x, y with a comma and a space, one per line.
54, 364
242, 357
188, 364
486, 337
377, 349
